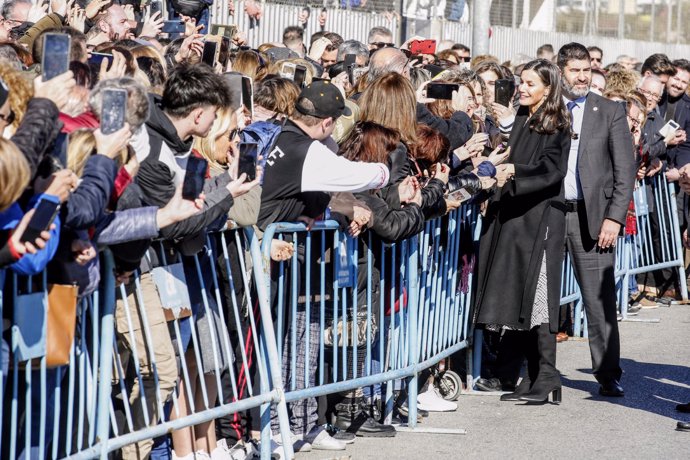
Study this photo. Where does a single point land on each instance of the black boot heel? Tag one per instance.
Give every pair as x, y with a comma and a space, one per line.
556, 395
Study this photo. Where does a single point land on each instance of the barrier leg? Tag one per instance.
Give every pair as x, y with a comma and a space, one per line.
269, 335
107, 299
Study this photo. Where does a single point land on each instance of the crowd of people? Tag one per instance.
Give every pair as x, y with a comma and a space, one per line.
356, 137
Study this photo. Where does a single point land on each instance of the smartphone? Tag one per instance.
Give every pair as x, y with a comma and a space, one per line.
248, 94
210, 53
248, 158
669, 129
350, 60
96, 59
288, 70
113, 107
194, 177
173, 27
504, 90
422, 47
56, 51
43, 217
224, 30
460, 195
441, 90
156, 7
233, 82
300, 75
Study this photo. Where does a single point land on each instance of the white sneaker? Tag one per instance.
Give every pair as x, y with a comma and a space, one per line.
189, 456
201, 455
223, 452
253, 449
321, 440
432, 401
298, 444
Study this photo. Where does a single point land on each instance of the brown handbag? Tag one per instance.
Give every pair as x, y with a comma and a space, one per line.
61, 321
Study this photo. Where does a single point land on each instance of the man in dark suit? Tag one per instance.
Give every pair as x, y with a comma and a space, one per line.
598, 189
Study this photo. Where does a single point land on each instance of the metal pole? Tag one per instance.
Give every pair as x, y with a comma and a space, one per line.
621, 19
480, 27
669, 15
653, 21
679, 21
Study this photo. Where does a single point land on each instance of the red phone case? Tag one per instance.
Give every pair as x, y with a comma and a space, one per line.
422, 47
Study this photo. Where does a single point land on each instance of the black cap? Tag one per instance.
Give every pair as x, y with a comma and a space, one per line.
326, 98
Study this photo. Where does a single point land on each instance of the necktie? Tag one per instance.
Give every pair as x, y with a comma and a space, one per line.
571, 105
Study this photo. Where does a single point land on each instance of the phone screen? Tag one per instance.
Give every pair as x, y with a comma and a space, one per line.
441, 90
248, 94
173, 27
288, 71
248, 158
194, 177
233, 82
504, 90
113, 109
43, 217
208, 57
56, 51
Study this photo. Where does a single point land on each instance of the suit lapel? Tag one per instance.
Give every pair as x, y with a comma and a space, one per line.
588, 123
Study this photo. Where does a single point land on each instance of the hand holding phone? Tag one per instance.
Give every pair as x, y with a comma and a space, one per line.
42, 219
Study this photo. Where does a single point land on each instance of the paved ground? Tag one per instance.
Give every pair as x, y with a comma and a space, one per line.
656, 361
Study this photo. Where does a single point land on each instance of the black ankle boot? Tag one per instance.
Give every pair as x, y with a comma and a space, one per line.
352, 415
548, 381
520, 390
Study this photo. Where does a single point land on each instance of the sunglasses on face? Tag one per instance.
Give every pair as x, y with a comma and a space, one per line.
465, 58
233, 134
380, 45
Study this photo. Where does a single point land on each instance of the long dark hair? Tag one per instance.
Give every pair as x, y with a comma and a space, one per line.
369, 142
552, 115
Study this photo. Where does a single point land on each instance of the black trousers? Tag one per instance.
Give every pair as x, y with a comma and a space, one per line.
594, 270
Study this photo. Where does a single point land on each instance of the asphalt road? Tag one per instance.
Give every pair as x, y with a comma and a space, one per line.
656, 362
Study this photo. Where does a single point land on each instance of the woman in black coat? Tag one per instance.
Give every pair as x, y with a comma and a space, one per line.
521, 249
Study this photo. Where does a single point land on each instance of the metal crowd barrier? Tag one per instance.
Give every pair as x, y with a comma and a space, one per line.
341, 314
120, 390
649, 250
54, 412
371, 312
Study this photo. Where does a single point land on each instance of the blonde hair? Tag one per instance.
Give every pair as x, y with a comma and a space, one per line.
149, 52
391, 102
14, 173
206, 146
249, 63
82, 144
21, 91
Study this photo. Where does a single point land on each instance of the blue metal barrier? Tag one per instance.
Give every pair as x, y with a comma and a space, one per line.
414, 284
636, 254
